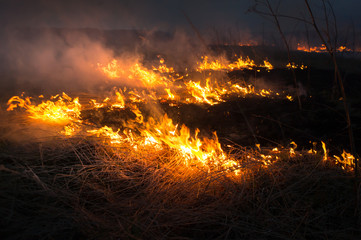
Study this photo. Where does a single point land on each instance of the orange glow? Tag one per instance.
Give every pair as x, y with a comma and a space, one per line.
136, 72
111, 70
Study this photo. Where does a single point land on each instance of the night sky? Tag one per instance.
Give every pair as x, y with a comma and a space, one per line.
158, 14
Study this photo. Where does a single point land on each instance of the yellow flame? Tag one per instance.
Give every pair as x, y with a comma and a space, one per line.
325, 157
61, 109
347, 161
292, 149
320, 49
295, 66
211, 92
205, 152
207, 94
223, 64
170, 94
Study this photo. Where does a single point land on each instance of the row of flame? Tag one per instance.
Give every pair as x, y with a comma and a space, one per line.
157, 132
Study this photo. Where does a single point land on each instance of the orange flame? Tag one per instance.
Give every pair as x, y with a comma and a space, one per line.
320, 49
60, 109
223, 64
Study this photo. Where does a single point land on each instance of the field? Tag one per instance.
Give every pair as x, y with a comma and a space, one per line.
217, 150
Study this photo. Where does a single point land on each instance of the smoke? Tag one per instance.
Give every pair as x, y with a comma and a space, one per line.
52, 60
181, 49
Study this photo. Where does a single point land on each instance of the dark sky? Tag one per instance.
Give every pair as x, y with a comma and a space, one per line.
156, 14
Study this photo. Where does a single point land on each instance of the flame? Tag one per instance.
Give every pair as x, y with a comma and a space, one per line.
223, 64
111, 70
295, 66
325, 157
347, 162
136, 72
70, 129
209, 92
170, 94
61, 109
320, 49
157, 132
290, 98
162, 68
267, 64
292, 149
241, 63
108, 133
147, 77
119, 103
162, 134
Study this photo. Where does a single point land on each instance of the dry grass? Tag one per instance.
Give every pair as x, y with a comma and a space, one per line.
78, 188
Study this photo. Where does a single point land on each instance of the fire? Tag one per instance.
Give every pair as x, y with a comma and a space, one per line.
162, 133
170, 94
119, 103
295, 66
223, 64
320, 49
347, 161
61, 109
325, 156
108, 133
267, 65
111, 70
70, 129
162, 68
155, 131
194, 150
116, 101
292, 149
147, 77
209, 92
217, 64
142, 76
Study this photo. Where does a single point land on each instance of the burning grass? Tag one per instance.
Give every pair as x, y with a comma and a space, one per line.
121, 167
80, 188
